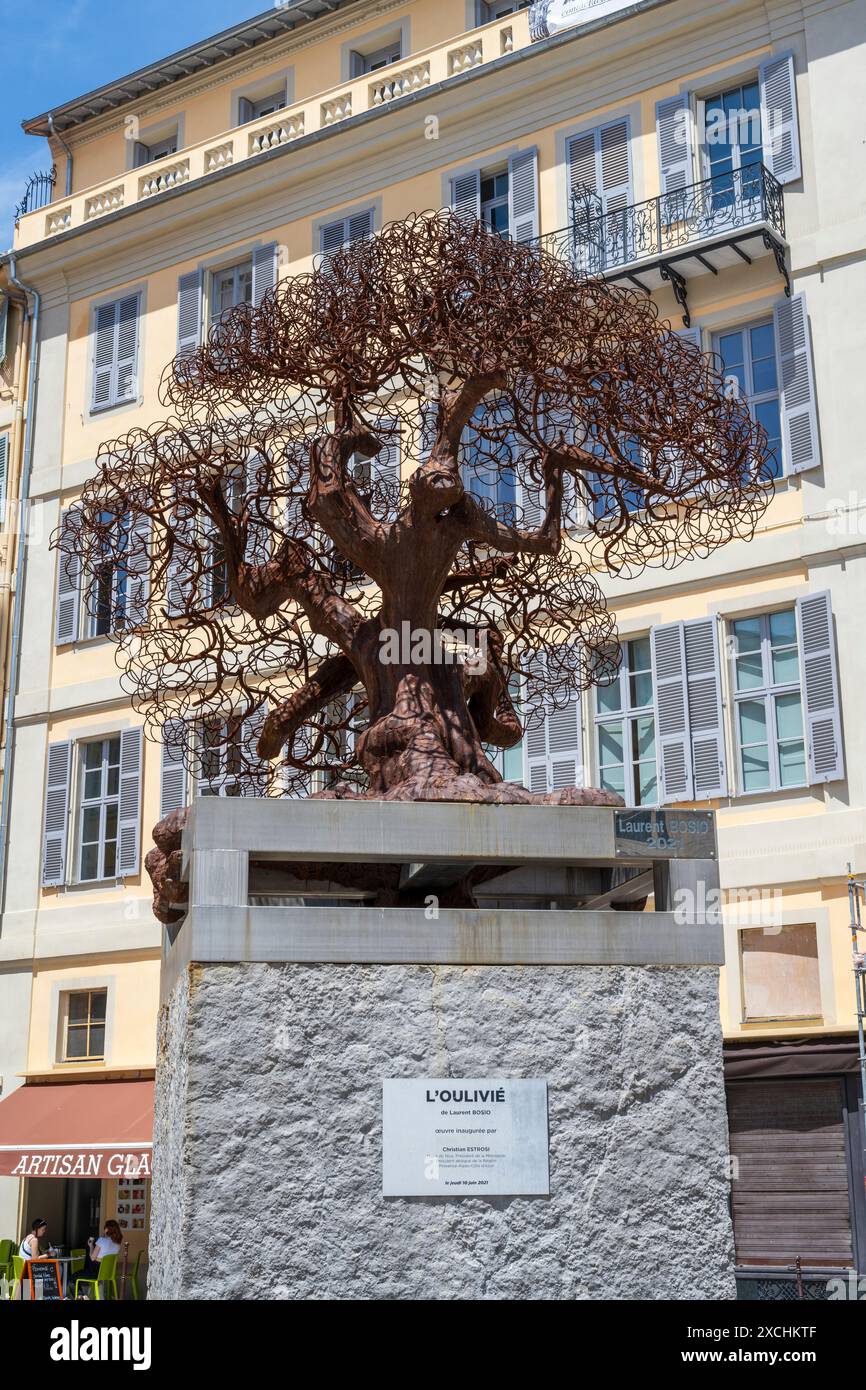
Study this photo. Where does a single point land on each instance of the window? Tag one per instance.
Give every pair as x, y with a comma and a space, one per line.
732, 142
768, 707
220, 759
625, 728
487, 464
494, 202
157, 149
106, 607
498, 9
748, 357
358, 226
379, 57
99, 809
230, 287
249, 110
84, 1026
115, 352
779, 972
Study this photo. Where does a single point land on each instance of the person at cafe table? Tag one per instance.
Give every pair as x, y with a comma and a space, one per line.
29, 1249
107, 1244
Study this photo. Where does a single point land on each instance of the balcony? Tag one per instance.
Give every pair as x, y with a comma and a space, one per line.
40, 218
727, 220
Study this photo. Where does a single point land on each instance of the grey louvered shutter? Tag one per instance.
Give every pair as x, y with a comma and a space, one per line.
4, 469
258, 545
129, 817
673, 131
189, 312
802, 446
56, 821
819, 681
673, 739
331, 236
172, 773
586, 205
4, 326
706, 724
429, 412
531, 500
553, 740
67, 607
264, 271
582, 164
385, 470
466, 195
138, 570
535, 735
615, 166
523, 195
103, 356
781, 136
256, 783
126, 373
184, 564
359, 227
245, 111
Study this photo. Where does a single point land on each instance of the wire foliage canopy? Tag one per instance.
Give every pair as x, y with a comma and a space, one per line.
436, 431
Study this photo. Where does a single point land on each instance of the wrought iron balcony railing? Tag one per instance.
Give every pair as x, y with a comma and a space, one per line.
598, 242
38, 193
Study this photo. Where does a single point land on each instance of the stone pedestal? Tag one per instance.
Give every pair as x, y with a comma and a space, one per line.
280, 1022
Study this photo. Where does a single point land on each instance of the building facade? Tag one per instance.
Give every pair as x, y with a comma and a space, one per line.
704, 155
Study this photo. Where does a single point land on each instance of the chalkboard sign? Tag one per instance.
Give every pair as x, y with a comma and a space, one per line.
45, 1281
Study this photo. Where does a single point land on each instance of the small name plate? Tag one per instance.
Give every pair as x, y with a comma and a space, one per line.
649, 833
462, 1136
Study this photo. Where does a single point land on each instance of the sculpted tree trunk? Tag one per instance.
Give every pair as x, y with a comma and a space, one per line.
373, 470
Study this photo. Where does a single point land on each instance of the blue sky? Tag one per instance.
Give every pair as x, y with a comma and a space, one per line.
57, 50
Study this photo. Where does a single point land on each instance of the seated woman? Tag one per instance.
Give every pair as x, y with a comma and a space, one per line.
107, 1244
29, 1248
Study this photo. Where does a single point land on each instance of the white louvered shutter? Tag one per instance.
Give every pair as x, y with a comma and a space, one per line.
819, 680
553, 741
257, 550
138, 570
466, 195
706, 724
129, 817
779, 126
359, 227
67, 608
256, 784
126, 374
189, 312
4, 471
172, 773
673, 739
615, 166
673, 131
523, 195
802, 446
103, 356
264, 271
56, 820
183, 566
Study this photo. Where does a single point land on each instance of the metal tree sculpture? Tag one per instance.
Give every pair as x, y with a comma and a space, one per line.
290, 596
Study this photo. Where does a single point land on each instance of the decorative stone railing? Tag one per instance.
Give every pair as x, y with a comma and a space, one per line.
472, 51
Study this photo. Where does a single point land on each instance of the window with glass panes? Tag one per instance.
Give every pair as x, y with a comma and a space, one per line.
99, 808
625, 728
106, 608
488, 465
84, 1039
768, 706
494, 202
732, 142
498, 9
509, 761
230, 287
220, 759
748, 356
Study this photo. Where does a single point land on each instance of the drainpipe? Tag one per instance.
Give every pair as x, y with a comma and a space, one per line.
66, 150
18, 600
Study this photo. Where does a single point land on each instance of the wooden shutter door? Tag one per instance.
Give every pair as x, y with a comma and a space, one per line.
781, 138
819, 683
466, 195
56, 816
189, 313
673, 132
129, 819
790, 1186
796, 374
523, 195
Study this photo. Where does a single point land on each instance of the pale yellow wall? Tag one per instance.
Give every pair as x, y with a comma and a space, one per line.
132, 1043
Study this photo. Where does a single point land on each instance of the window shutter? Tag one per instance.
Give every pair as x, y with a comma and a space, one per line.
523, 195
553, 741
183, 566
68, 601
779, 118
429, 411
673, 740
531, 499
127, 350
385, 468
258, 547
615, 166
245, 111
103, 355
264, 271
466, 196
796, 375
582, 169
357, 66
56, 822
360, 226
709, 769
140, 154
674, 132
172, 775
819, 681
331, 236
4, 470
4, 326
129, 818
138, 570
189, 312
256, 784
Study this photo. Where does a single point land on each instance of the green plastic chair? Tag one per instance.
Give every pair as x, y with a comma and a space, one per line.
107, 1275
78, 1259
133, 1278
19, 1264
7, 1249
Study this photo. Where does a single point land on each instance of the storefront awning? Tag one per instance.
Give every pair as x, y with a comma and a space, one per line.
89, 1129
